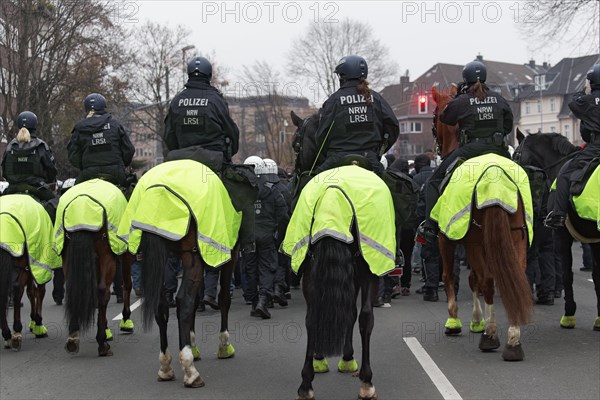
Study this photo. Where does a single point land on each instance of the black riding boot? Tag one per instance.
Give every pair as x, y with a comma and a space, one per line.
261, 307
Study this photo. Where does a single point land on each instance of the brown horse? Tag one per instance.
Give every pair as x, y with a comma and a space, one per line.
85, 237
496, 248
25, 261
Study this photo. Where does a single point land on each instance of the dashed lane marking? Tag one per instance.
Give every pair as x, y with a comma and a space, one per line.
438, 378
132, 307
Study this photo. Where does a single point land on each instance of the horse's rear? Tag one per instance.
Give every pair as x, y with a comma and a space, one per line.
337, 262
173, 210
85, 237
496, 240
25, 236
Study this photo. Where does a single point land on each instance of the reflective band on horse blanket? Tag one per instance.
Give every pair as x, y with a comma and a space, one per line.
85, 206
24, 221
587, 204
329, 204
168, 195
488, 180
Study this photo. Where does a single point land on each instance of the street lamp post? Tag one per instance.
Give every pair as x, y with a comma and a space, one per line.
183, 51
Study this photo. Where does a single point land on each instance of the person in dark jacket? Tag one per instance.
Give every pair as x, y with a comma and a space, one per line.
99, 146
484, 119
354, 120
199, 115
28, 162
261, 265
586, 107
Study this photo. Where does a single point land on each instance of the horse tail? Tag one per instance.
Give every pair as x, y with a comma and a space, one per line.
6, 267
155, 254
81, 281
505, 266
331, 297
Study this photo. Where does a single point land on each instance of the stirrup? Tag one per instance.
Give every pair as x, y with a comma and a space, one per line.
425, 234
555, 220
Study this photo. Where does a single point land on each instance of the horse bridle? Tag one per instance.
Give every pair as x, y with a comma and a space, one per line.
519, 152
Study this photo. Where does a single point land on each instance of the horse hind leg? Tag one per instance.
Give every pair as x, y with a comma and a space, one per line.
165, 372
596, 279
126, 325
477, 321
489, 340
306, 391
225, 349
18, 289
38, 329
366, 321
447, 250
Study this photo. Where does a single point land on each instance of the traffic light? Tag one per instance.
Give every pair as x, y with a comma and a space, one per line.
423, 104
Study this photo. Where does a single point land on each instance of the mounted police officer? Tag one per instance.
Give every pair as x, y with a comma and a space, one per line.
199, 115
355, 120
28, 162
484, 119
199, 127
586, 107
99, 146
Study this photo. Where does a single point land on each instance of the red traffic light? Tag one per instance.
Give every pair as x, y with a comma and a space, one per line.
422, 99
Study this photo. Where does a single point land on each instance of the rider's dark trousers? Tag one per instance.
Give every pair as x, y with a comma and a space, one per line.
540, 257
261, 266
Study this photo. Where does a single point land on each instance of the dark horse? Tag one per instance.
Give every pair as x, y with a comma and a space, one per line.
333, 274
90, 260
496, 248
550, 152
168, 215
25, 261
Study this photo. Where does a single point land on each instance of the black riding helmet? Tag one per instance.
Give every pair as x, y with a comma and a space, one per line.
199, 66
352, 67
473, 72
28, 120
594, 75
94, 101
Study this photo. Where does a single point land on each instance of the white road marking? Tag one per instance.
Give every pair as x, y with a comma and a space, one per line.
133, 307
438, 378
591, 280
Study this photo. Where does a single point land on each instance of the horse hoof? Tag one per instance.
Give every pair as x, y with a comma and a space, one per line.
320, 366
126, 326
16, 342
347, 366
198, 383
453, 327
72, 346
567, 322
477, 327
166, 377
489, 342
513, 353
225, 352
309, 395
367, 392
105, 351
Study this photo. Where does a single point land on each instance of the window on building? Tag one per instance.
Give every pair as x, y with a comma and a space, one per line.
539, 106
527, 108
567, 131
260, 123
402, 127
260, 138
552, 104
416, 127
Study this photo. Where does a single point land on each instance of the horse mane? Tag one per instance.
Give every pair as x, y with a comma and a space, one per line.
562, 145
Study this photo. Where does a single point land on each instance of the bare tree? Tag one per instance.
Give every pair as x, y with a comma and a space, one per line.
550, 21
51, 52
314, 55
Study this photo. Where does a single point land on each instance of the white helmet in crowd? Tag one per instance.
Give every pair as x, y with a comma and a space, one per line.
270, 166
259, 164
3, 186
67, 184
384, 162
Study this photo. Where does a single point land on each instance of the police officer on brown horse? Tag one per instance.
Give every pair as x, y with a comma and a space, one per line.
99, 146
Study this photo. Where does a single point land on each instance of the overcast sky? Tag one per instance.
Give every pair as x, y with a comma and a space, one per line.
417, 33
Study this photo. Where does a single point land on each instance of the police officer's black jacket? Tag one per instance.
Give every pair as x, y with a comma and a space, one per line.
352, 125
199, 115
31, 162
479, 118
586, 107
271, 211
421, 179
100, 141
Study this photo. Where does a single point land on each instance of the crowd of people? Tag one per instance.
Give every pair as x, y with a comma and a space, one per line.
355, 123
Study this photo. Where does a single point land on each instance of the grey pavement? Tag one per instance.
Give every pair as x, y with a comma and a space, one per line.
559, 363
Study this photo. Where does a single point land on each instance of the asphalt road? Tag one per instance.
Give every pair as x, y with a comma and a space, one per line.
559, 363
